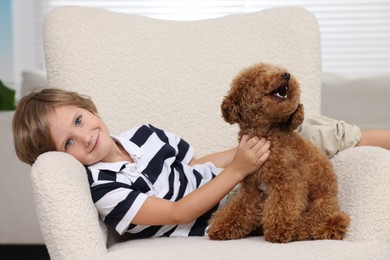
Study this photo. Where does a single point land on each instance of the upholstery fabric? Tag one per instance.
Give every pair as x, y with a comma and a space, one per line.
141, 70
174, 75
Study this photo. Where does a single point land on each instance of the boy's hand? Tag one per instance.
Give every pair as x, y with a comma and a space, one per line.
251, 153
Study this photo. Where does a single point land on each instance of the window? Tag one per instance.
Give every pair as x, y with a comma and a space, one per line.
355, 33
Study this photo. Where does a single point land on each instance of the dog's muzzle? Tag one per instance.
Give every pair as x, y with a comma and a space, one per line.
280, 92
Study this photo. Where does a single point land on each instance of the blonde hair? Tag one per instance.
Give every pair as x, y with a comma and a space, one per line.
30, 124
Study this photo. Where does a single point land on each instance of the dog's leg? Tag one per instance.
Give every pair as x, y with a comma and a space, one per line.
324, 219
239, 217
283, 210
324, 216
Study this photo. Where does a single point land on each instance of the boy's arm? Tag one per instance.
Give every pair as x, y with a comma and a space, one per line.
219, 159
250, 155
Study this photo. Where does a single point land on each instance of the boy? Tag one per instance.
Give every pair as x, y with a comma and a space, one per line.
145, 181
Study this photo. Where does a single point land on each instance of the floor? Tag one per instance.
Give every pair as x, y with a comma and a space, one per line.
24, 252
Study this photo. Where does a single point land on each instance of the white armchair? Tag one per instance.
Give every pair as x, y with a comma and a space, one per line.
174, 75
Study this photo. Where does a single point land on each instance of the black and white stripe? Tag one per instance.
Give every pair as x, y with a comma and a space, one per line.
161, 169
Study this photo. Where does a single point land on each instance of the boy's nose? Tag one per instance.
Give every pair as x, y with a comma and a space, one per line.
85, 138
88, 140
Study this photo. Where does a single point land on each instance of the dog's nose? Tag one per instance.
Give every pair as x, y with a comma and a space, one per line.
286, 76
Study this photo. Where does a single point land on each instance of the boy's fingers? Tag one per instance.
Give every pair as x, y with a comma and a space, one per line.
262, 142
264, 157
249, 142
254, 141
264, 146
244, 139
260, 146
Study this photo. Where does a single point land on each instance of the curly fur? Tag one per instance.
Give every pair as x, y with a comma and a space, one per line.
293, 196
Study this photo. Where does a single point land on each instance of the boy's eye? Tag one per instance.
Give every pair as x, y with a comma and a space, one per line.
78, 121
68, 143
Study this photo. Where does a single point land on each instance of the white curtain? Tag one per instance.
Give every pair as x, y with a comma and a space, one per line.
355, 33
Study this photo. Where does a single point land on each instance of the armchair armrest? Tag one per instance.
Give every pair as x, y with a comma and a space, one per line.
364, 191
65, 208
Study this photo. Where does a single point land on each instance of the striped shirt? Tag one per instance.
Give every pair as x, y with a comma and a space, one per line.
160, 169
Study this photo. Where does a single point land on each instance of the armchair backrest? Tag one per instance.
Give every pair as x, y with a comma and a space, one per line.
167, 73
174, 74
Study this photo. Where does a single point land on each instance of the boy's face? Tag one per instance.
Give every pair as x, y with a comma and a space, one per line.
80, 133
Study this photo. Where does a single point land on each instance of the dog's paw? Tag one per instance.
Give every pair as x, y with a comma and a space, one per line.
334, 227
220, 233
225, 232
279, 236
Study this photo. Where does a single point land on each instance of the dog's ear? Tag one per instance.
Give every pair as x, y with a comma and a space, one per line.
229, 108
297, 117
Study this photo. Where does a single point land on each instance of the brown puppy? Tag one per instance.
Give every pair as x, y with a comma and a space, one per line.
293, 196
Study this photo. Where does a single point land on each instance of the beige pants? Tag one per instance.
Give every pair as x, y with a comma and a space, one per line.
331, 135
